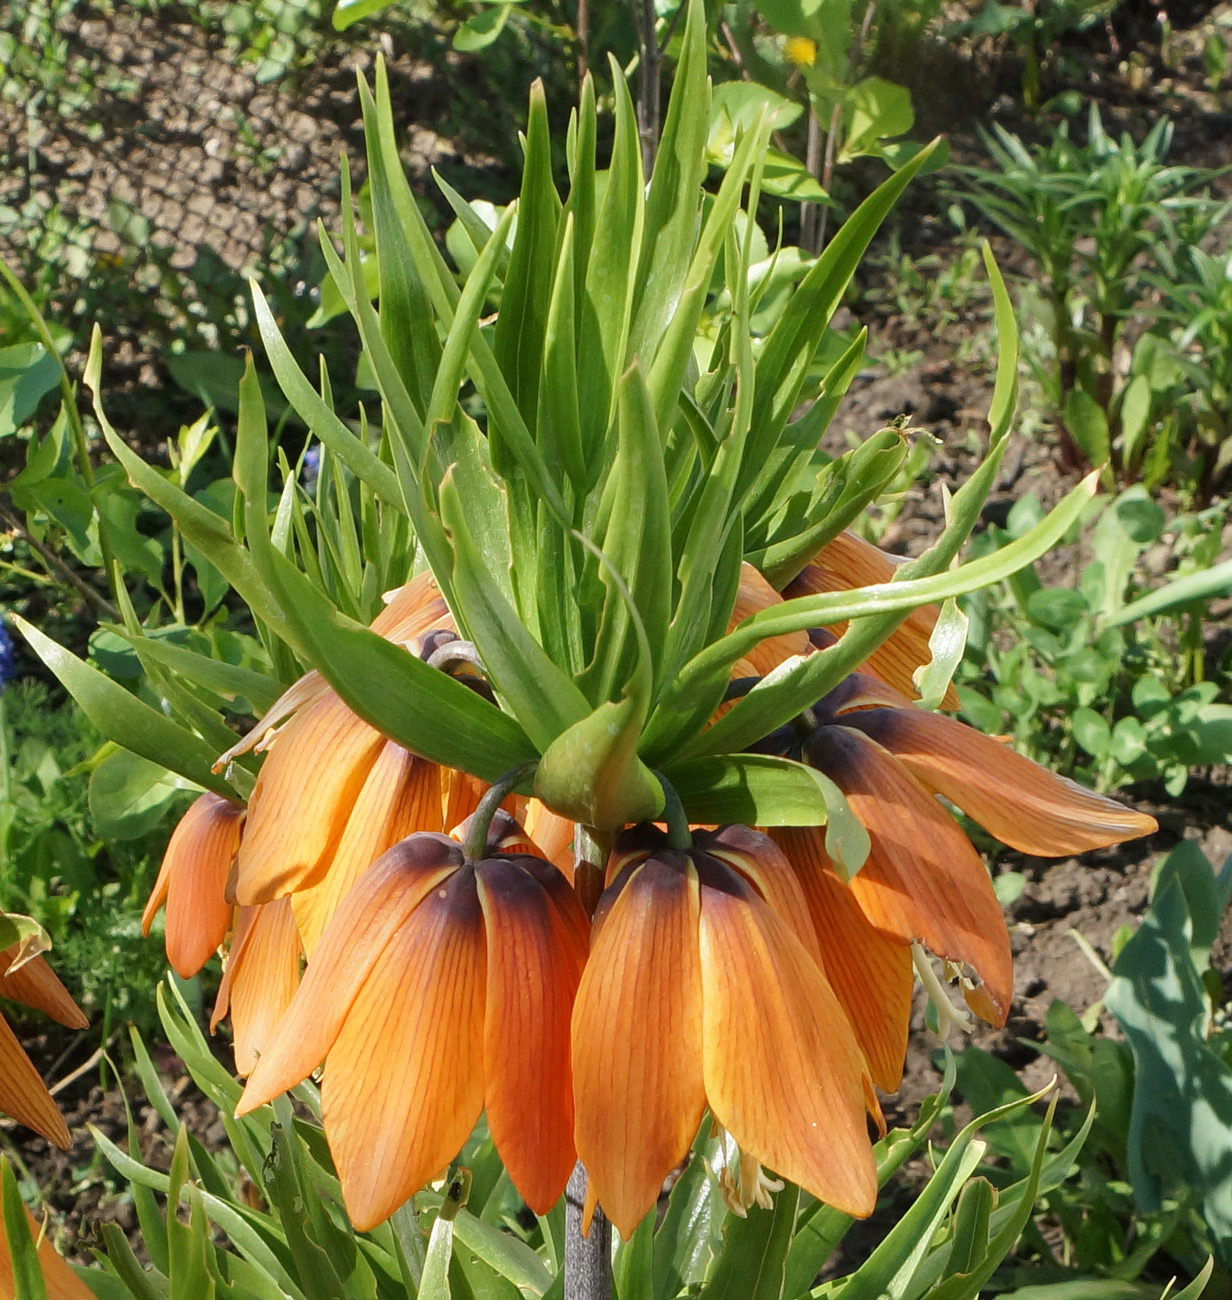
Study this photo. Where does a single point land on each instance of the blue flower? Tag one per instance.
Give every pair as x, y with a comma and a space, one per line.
8, 667
311, 467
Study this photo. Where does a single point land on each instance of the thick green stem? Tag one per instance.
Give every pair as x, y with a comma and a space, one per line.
476, 846
679, 836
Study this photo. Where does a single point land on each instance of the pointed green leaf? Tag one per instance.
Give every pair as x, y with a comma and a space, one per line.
122, 717
539, 694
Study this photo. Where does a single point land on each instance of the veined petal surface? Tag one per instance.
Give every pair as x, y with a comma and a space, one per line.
783, 1072
353, 943
403, 1083
402, 795
923, 880
871, 976
637, 1040
1024, 805
533, 967
192, 881
36, 985
762, 862
24, 1095
260, 978
303, 799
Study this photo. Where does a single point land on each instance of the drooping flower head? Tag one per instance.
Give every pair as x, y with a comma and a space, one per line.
442, 987
704, 988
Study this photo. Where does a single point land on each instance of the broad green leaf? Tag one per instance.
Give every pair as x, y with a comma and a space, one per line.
510, 1257
347, 12
27, 1272
28, 372
122, 717
1180, 1134
129, 795
518, 341
539, 694
1199, 586
754, 1256
1088, 425
758, 789
481, 29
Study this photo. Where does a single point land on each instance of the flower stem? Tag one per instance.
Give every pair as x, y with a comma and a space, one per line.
588, 1260
679, 836
476, 846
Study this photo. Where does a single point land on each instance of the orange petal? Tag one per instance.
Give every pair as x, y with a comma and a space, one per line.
871, 975
260, 978
553, 834
403, 1083
36, 984
923, 880
461, 793
528, 1091
637, 1040
412, 610
848, 562
24, 1095
753, 595
1022, 804
352, 944
61, 1282
761, 862
193, 882
402, 795
310, 687
299, 810
784, 1074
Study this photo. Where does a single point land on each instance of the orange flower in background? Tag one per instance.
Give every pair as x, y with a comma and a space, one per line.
23, 1094
192, 882
924, 881
703, 988
441, 988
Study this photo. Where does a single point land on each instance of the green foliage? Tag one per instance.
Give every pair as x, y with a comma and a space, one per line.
1035, 32
472, 1236
1109, 224
1093, 678
78, 848
1153, 1185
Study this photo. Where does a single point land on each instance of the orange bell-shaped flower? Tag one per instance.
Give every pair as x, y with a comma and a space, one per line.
440, 988
699, 991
